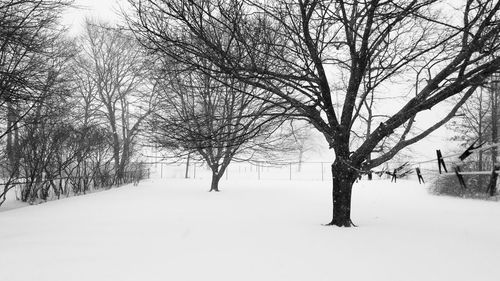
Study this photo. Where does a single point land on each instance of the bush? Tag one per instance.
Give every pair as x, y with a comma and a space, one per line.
448, 184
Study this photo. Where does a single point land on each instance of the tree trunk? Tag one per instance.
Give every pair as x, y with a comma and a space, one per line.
370, 175
301, 154
116, 158
343, 179
494, 126
124, 162
215, 181
494, 129
12, 140
187, 166
480, 161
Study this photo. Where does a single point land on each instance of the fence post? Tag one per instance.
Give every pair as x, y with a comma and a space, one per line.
290, 171
161, 168
322, 173
258, 170
194, 170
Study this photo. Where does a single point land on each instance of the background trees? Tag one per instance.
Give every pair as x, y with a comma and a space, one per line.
474, 124
215, 118
477, 124
28, 33
30, 70
114, 85
298, 50
71, 108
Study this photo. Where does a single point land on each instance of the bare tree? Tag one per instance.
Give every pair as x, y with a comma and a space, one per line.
27, 32
473, 124
216, 118
113, 82
304, 142
298, 50
29, 68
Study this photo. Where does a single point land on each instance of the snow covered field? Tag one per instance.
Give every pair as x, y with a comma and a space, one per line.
173, 229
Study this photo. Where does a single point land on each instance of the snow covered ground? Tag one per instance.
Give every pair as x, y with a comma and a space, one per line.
173, 229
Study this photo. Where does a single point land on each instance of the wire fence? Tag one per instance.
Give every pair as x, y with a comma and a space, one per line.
318, 171
429, 169
246, 170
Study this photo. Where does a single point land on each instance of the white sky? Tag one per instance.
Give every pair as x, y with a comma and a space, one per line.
108, 11
102, 10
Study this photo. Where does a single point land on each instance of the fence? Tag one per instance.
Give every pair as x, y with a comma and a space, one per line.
320, 171
247, 170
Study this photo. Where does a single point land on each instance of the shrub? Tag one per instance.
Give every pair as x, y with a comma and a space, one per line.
448, 184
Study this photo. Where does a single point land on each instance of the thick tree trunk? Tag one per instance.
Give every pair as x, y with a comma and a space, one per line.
343, 179
370, 175
215, 181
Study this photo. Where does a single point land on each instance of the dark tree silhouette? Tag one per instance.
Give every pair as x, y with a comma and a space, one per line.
112, 74
324, 57
216, 118
30, 60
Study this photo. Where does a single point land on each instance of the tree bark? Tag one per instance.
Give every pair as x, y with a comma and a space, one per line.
187, 166
343, 178
12, 140
494, 124
215, 182
494, 129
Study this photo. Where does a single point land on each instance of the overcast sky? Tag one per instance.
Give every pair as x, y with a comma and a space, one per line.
108, 11
102, 10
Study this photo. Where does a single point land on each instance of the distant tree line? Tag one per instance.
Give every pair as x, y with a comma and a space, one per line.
73, 108
477, 124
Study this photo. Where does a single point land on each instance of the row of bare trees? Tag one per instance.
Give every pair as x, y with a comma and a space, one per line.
74, 108
32, 66
102, 89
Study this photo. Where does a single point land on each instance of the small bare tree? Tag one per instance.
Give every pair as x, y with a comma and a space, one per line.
216, 118
473, 124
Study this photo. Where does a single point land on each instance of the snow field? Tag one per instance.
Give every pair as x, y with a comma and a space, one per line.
173, 229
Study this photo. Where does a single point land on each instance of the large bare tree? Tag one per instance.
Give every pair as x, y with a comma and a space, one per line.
324, 58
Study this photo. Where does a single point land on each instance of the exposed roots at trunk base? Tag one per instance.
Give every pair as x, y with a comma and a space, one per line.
214, 190
342, 223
